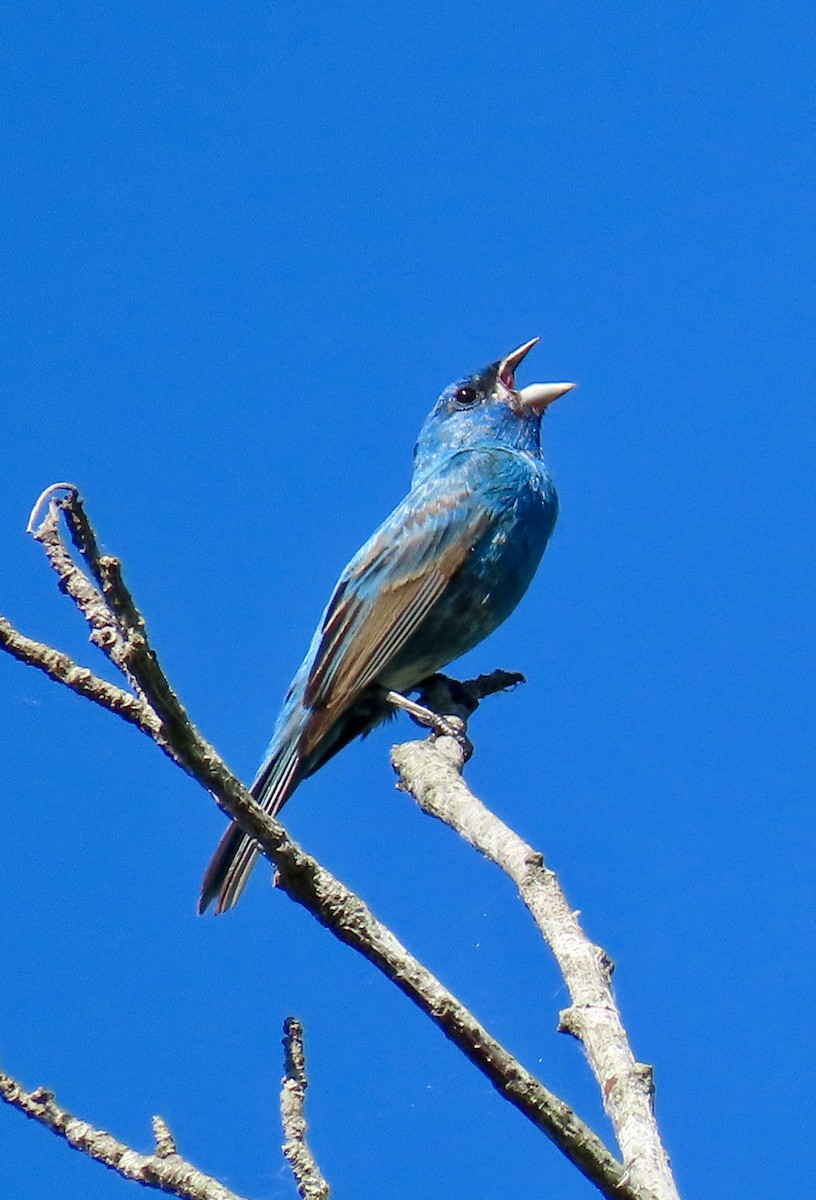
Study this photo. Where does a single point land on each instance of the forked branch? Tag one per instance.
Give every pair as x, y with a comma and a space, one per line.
165, 1169
118, 628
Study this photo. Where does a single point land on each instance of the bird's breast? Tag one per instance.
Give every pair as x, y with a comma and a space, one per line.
492, 580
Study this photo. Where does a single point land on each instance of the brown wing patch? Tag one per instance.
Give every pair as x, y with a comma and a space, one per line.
379, 628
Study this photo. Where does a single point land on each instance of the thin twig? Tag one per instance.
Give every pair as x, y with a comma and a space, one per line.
168, 1172
106, 633
50, 493
165, 1142
431, 772
105, 569
79, 679
309, 1179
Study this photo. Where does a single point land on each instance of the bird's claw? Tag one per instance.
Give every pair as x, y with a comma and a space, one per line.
452, 727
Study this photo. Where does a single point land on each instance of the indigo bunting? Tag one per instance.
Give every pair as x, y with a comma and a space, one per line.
447, 566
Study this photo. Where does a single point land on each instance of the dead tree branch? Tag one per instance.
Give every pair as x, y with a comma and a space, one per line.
165, 1170
431, 773
310, 1182
118, 628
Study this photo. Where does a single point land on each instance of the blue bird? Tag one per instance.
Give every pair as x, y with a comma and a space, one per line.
442, 572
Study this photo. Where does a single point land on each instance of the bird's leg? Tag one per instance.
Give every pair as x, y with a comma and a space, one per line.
453, 727
422, 715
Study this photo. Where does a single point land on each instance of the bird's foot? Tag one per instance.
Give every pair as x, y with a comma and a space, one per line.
452, 727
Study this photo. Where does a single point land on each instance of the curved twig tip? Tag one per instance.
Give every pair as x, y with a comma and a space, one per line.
34, 522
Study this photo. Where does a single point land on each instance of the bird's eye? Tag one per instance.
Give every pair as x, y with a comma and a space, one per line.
466, 396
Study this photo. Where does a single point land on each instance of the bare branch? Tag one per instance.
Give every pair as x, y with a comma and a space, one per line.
342, 912
431, 772
310, 1182
166, 1171
79, 679
64, 498
352, 922
105, 569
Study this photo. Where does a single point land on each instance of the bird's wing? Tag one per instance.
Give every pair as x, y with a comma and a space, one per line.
385, 593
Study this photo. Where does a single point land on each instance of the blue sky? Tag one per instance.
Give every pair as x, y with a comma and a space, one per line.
244, 251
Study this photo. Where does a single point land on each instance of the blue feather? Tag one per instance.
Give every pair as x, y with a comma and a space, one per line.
445, 569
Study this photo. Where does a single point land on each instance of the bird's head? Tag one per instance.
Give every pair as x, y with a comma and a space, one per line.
488, 408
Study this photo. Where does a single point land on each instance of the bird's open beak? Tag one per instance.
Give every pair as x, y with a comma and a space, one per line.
536, 396
508, 366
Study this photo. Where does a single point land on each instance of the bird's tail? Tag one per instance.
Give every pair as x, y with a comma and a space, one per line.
234, 857
285, 766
